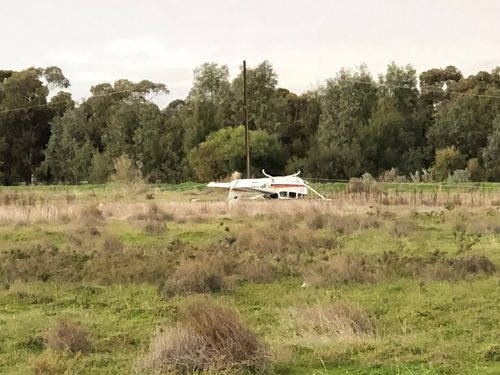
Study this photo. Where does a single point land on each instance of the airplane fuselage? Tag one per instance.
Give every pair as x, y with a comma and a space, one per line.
275, 187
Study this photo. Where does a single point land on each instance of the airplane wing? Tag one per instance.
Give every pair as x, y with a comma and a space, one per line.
248, 189
253, 190
223, 185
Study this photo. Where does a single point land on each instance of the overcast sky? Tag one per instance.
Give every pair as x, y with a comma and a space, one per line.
97, 41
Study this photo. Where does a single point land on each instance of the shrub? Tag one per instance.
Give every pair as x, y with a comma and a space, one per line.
459, 175
476, 171
210, 338
446, 160
357, 185
101, 168
126, 173
67, 335
476, 264
193, 276
464, 239
391, 176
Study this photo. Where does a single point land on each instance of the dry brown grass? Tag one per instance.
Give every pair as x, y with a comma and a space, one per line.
349, 268
154, 228
153, 212
339, 269
475, 264
266, 240
193, 277
342, 224
341, 319
31, 207
257, 271
65, 335
210, 338
108, 263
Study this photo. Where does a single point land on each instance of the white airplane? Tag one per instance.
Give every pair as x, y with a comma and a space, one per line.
278, 187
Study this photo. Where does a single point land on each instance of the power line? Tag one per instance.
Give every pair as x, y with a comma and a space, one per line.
428, 90
422, 90
17, 109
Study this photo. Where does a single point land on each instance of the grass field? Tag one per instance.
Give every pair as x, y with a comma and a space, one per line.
401, 279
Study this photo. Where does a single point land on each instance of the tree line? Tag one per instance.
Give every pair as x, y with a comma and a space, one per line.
438, 125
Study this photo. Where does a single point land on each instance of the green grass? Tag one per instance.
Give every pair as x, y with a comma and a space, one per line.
421, 326
442, 328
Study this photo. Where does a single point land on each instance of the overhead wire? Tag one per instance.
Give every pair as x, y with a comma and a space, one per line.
427, 90
406, 87
53, 104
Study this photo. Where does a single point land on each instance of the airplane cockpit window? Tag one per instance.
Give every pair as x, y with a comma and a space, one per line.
283, 194
292, 194
273, 196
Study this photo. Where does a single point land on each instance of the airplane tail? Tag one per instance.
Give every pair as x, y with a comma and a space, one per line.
290, 175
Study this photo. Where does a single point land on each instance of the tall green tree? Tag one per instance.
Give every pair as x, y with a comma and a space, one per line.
262, 97
491, 153
347, 104
206, 108
69, 153
157, 144
464, 119
223, 153
24, 120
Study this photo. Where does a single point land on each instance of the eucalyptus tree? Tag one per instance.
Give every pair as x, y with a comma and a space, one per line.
25, 119
347, 104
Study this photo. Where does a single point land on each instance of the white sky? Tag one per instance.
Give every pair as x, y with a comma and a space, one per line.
96, 41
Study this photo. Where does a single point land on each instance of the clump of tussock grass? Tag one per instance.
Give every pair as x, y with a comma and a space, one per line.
356, 185
475, 264
342, 319
105, 264
40, 262
210, 338
66, 335
359, 268
154, 219
195, 277
47, 364
154, 228
403, 227
339, 269
154, 213
70, 197
341, 224
284, 223
265, 240
257, 271
8, 198
91, 211
112, 244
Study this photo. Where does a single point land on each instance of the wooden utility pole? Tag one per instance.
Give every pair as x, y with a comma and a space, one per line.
247, 139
